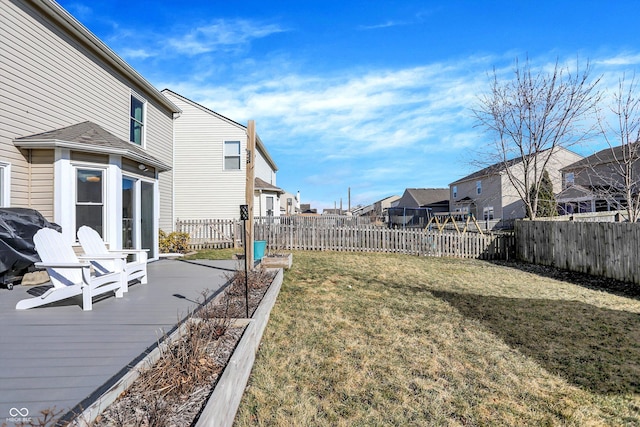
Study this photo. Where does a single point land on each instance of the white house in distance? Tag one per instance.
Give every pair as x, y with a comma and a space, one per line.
289, 203
489, 194
210, 166
84, 139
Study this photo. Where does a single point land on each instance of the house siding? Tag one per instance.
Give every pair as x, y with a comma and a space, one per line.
204, 189
53, 78
41, 171
263, 169
499, 193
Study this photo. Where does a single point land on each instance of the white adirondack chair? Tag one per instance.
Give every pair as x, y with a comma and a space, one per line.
93, 246
70, 275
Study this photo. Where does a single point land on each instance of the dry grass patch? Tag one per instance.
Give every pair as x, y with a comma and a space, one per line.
368, 339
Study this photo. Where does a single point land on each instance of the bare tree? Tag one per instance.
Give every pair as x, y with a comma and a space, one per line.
615, 171
531, 116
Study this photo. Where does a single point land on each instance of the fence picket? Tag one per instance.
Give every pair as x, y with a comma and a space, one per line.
347, 234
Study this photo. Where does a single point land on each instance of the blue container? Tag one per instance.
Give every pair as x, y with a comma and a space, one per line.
259, 247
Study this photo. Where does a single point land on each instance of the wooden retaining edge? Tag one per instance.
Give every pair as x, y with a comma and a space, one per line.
88, 416
220, 410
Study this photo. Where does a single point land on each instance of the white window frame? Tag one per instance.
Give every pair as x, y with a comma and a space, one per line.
455, 191
5, 184
105, 198
478, 187
226, 155
569, 179
488, 213
143, 123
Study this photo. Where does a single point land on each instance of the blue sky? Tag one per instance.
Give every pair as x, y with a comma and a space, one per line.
374, 96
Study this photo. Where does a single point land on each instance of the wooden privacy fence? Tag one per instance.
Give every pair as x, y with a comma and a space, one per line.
608, 249
283, 236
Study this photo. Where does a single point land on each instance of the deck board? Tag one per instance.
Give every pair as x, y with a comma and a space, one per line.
59, 355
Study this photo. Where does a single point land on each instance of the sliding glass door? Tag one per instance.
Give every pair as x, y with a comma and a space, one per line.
147, 231
138, 215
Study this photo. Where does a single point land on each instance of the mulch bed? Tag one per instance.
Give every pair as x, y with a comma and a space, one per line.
175, 389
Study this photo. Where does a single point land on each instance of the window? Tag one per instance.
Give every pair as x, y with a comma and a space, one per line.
269, 206
232, 155
479, 187
569, 179
488, 213
89, 199
455, 191
136, 131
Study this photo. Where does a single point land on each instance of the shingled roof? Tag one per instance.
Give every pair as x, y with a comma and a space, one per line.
429, 196
88, 136
608, 155
263, 185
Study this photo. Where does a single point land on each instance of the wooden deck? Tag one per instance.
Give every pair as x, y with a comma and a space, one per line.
63, 357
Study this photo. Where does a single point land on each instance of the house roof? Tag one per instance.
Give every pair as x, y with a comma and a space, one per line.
608, 155
259, 142
428, 196
265, 186
574, 193
88, 136
498, 167
389, 199
489, 170
67, 23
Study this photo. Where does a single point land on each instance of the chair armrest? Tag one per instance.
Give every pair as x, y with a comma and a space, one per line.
128, 251
102, 256
62, 264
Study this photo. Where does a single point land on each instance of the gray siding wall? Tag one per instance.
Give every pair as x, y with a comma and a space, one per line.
48, 81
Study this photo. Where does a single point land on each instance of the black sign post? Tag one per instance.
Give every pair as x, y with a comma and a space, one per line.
244, 216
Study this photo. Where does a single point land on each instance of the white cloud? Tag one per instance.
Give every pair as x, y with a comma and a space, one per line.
620, 60
221, 35
383, 25
378, 128
137, 54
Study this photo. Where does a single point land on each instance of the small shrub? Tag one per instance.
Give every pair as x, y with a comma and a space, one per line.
174, 242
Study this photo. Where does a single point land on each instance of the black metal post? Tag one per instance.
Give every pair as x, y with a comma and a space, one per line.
244, 215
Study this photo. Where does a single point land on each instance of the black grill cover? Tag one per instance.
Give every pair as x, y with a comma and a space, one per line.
17, 228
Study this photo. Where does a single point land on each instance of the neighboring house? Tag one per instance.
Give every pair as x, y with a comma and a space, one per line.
333, 211
381, 206
377, 209
84, 139
210, 166
436, 199
416, 206
305, 208
489, 194
595, 184
289, 203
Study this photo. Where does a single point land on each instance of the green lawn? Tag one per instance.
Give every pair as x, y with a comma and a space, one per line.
368, 339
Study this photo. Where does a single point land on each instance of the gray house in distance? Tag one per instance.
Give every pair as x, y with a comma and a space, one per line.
437, 199
597, 183
488, 194
416, 205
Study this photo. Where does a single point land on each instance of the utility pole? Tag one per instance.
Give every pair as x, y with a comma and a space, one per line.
249, 187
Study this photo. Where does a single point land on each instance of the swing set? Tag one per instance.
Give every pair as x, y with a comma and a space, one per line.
441, 219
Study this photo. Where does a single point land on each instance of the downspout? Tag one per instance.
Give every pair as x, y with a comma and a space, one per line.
29, 172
